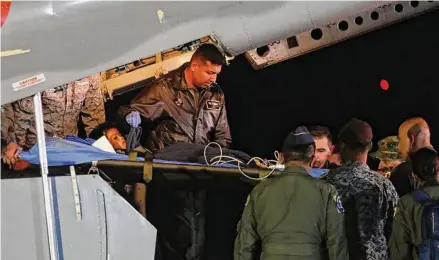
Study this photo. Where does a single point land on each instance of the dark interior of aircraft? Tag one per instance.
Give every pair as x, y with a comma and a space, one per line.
328, 87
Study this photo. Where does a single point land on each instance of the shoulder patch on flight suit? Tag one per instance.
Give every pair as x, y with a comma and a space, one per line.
178, 102
213, 105
338, 204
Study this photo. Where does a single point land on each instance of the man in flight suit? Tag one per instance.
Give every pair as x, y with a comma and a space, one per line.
414, 222
62, 108
186, 106
293, 216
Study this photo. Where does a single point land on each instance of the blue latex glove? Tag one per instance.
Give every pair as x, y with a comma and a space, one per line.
133, 119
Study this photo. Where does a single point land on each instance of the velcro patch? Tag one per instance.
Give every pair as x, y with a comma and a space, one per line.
213, 105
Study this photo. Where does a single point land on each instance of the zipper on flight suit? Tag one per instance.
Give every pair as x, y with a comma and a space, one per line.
198, 110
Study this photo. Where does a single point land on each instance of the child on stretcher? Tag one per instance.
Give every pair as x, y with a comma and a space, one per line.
112, 133
109, 130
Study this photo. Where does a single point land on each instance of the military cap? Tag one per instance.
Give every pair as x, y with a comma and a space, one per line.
299, 137
387, 149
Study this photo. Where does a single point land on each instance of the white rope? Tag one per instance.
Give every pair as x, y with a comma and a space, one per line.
218, 160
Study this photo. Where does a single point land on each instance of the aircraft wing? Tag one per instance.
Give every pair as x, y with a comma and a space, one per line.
46, 44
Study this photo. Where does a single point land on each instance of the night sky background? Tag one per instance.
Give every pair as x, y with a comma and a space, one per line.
326, 87
331, 85
336, 83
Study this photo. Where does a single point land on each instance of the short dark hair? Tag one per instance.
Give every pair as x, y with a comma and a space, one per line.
424, 163
209, 52
358, 148
320, 132
99, 131
303, 153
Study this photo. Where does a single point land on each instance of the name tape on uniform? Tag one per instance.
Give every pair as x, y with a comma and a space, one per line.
28, 82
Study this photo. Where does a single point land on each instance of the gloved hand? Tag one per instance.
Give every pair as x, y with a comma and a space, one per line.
133, 119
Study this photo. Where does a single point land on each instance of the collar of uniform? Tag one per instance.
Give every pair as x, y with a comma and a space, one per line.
356, 164
432, 189
294, 170
178, 78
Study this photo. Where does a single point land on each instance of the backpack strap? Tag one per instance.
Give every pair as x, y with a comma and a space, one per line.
421, 196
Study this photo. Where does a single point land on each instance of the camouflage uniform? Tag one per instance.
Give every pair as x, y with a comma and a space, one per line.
370, 201
8, 131
62, 107
401, 175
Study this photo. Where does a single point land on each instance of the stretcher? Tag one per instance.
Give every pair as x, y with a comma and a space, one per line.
61, 152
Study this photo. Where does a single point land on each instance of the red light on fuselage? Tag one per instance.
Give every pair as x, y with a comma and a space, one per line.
384, 84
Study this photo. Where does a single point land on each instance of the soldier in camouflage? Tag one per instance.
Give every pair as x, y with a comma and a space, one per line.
369, 198
388, 155
7, 115
8, 132
62, 108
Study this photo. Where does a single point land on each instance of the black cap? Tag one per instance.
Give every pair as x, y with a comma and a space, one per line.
356, 132
300, 137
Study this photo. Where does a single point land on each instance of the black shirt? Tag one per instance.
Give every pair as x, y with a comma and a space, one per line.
402, 179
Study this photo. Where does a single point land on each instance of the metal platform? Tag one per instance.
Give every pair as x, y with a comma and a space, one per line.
109, 228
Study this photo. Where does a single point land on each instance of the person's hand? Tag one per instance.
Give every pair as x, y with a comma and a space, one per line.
11, 154
133, 119
20, 165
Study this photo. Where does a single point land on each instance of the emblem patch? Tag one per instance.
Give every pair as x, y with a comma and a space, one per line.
338, 204
212, 105
178, 102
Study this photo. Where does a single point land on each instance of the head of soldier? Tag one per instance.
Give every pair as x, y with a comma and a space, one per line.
413, 135
298, 149
425, 165
355, 141
204, 67
324, 145
388, 155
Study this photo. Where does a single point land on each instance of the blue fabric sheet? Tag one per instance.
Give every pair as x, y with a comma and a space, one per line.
61, 152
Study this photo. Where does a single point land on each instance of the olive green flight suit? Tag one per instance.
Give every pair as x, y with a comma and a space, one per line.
292, 216
406, 237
